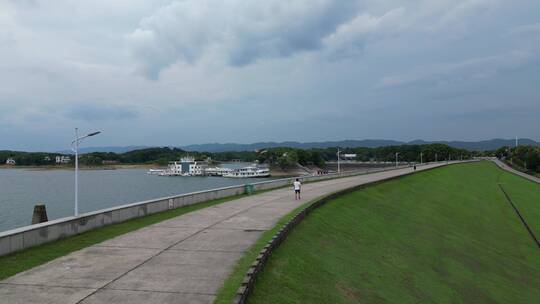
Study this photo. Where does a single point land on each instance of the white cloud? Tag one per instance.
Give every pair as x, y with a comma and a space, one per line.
466, 8
350, 36
467, 69
529, 29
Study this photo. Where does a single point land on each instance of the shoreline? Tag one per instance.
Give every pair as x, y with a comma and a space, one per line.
107, 167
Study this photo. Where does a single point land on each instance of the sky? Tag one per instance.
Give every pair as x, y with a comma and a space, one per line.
179, 72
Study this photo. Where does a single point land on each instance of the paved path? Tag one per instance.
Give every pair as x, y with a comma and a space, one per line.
512, 170
181, 260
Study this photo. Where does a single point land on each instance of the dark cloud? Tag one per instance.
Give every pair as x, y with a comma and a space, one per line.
187, 30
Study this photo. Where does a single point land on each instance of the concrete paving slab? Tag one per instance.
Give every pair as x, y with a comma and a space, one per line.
150, 237
247, 223
272, 209
163, 277
28, 294
209, 259
220, 240
146, 297
92, 267
193, 220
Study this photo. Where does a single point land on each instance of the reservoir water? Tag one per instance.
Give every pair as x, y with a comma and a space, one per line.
21, 189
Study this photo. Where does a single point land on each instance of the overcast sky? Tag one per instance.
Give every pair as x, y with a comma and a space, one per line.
196, 71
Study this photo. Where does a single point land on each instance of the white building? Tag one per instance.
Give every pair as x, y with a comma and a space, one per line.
187, 166
61, 159
10, 161
348, 156
197, 168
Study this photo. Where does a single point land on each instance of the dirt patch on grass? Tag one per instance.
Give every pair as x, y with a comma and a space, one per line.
468, 292
347, 292
326, 243
408, 282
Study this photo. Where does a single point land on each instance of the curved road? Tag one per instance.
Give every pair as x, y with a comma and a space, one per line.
182, 260
512, 170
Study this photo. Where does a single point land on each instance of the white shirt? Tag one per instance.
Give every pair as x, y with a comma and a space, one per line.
297, 185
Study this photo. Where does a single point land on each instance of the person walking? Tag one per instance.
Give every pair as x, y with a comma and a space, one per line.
297, 186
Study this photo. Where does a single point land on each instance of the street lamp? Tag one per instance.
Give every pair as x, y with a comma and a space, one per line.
76, 150
397, 153
421, 154
338, 167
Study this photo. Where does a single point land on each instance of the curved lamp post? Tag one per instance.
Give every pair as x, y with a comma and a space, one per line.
338, 167
75, 148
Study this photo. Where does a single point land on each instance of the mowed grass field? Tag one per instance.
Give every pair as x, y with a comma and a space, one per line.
443, 236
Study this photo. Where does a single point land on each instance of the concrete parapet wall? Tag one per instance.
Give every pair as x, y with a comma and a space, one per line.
34, 235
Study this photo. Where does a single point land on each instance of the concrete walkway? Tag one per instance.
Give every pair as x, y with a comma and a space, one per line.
512, 170
182, 260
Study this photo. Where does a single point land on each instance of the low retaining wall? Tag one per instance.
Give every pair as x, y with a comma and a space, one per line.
33, 235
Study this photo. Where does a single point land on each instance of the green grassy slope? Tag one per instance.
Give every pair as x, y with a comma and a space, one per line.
526, 197
442, 236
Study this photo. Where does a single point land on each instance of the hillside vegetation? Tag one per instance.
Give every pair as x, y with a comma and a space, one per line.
283, 157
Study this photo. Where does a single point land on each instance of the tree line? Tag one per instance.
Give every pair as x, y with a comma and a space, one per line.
525, 158
282, 156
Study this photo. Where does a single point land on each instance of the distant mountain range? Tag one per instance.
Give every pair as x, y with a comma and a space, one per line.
483, 145
114, 149
215, 147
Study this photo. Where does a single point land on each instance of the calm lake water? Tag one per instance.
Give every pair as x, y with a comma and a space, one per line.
21, 189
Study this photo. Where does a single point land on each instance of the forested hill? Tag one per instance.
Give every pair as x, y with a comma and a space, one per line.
484, 145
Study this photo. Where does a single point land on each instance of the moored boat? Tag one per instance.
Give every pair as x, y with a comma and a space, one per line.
155, 171
251, 171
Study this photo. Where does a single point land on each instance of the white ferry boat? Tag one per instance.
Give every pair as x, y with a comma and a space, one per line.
251, 171
216, 171
187, 166
155, 171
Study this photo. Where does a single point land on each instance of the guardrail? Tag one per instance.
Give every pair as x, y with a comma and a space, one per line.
34, 235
